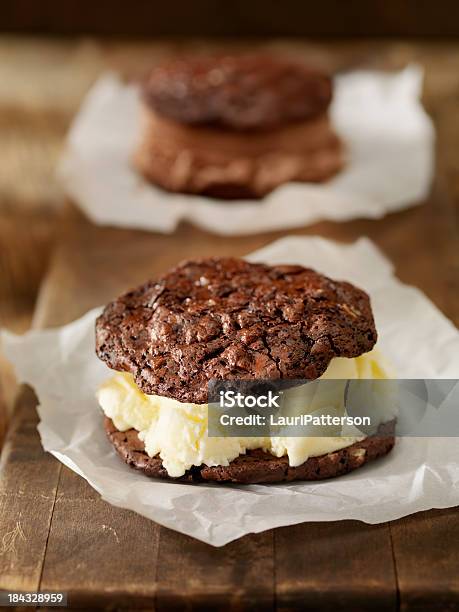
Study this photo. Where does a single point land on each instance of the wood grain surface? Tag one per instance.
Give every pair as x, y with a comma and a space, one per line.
56, 532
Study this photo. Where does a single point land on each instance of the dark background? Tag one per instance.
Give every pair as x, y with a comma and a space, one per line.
334, 18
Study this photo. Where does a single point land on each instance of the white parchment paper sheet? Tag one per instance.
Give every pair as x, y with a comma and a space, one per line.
388, 135
420, 473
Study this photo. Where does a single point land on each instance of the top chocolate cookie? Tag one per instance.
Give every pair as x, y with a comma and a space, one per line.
226, 318
241, 92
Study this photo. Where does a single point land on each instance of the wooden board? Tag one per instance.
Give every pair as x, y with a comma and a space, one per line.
56, 533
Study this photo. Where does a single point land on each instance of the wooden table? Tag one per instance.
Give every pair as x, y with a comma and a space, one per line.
56, 533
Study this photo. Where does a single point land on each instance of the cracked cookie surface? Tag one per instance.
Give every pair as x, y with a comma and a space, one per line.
225, 318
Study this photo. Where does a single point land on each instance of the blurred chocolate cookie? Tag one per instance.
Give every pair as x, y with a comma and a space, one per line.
238, 92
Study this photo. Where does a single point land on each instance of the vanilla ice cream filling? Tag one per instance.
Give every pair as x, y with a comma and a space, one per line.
177, 431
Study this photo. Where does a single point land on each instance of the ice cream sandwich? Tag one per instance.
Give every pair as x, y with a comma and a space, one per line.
236, 126
227, 319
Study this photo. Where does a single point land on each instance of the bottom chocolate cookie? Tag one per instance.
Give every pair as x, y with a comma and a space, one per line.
233, 165
257, 466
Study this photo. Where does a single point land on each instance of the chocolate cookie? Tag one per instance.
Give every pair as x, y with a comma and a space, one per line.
232, 165
241, 92
257, 466
224, 318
